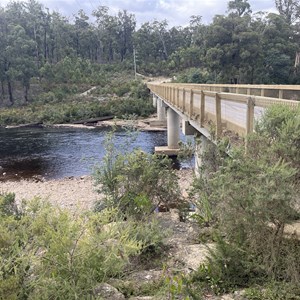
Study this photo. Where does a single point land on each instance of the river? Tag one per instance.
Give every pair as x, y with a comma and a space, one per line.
53, 153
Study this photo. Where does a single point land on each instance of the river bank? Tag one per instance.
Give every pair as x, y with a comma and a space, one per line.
74, 193
142, 124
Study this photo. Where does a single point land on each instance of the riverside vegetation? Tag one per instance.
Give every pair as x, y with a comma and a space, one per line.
244, 199
46, 59
116, 94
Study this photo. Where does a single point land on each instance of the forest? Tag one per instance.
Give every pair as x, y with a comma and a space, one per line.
41, 49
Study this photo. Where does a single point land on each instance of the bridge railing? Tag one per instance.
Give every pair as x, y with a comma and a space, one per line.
216, 106
291, 92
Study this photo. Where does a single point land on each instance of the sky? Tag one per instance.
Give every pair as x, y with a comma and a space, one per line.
177, 12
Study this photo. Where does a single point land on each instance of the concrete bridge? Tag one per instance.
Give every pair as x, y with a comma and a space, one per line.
214, 111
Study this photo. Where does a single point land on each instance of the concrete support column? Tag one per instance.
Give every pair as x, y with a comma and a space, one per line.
202, 145
173, 122
154, 100
161, 110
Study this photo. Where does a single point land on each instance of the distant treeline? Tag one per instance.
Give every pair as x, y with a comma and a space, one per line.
240, 47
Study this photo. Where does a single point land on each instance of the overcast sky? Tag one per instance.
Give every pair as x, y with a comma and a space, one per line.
177, 12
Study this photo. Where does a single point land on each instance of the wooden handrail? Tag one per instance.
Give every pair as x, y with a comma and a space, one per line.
175, 94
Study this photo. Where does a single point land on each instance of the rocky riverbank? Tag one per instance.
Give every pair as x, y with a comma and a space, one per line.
140, 124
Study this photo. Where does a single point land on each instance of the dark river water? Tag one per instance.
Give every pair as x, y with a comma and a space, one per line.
56, 153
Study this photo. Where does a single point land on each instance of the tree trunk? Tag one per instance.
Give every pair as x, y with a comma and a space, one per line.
36, 48
45, 45
26, 89
10, 94
2, 91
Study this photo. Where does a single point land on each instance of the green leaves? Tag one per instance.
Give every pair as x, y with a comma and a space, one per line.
47, 253
251, 198
136, 182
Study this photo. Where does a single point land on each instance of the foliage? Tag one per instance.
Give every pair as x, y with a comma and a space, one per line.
49, 108
283, 124
135, 182
46, 252
252, 196
39, 47
195, 75
274, 291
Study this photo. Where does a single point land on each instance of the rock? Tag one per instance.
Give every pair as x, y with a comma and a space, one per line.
192, 256
142, 278
107, 292
146, 276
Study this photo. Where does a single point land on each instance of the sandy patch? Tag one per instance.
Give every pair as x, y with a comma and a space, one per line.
72, 193
75, 193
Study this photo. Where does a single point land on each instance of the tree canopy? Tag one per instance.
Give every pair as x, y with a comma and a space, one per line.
39, 45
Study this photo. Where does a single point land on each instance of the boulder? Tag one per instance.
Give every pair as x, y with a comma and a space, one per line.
107, 292
192, 256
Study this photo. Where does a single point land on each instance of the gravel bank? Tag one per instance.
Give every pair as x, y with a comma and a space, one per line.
72, 193
75, 193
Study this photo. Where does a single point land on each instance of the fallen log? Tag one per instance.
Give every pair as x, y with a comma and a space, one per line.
93, 120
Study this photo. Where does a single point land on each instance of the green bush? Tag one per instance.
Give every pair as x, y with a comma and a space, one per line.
274, 291
135, 182
48, 253
195, 75
252, 197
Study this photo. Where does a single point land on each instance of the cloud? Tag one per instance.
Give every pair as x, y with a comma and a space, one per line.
177, 12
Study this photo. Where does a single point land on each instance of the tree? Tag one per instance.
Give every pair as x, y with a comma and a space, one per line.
289, 9
239, 7
108, 27
20, 57
125, 35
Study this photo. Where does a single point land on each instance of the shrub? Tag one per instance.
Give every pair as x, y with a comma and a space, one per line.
274, 291
253, 197
46, 252
137, 182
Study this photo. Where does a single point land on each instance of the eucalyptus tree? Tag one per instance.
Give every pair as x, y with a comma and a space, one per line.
19, 54
126, 30
239, 7
86, 40
37, 27
289, 9
3, 26
108, 31
279, 49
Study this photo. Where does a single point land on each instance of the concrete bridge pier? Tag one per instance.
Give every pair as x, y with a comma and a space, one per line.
173, 126
161, 113
203, 147
154, 100
161, 110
